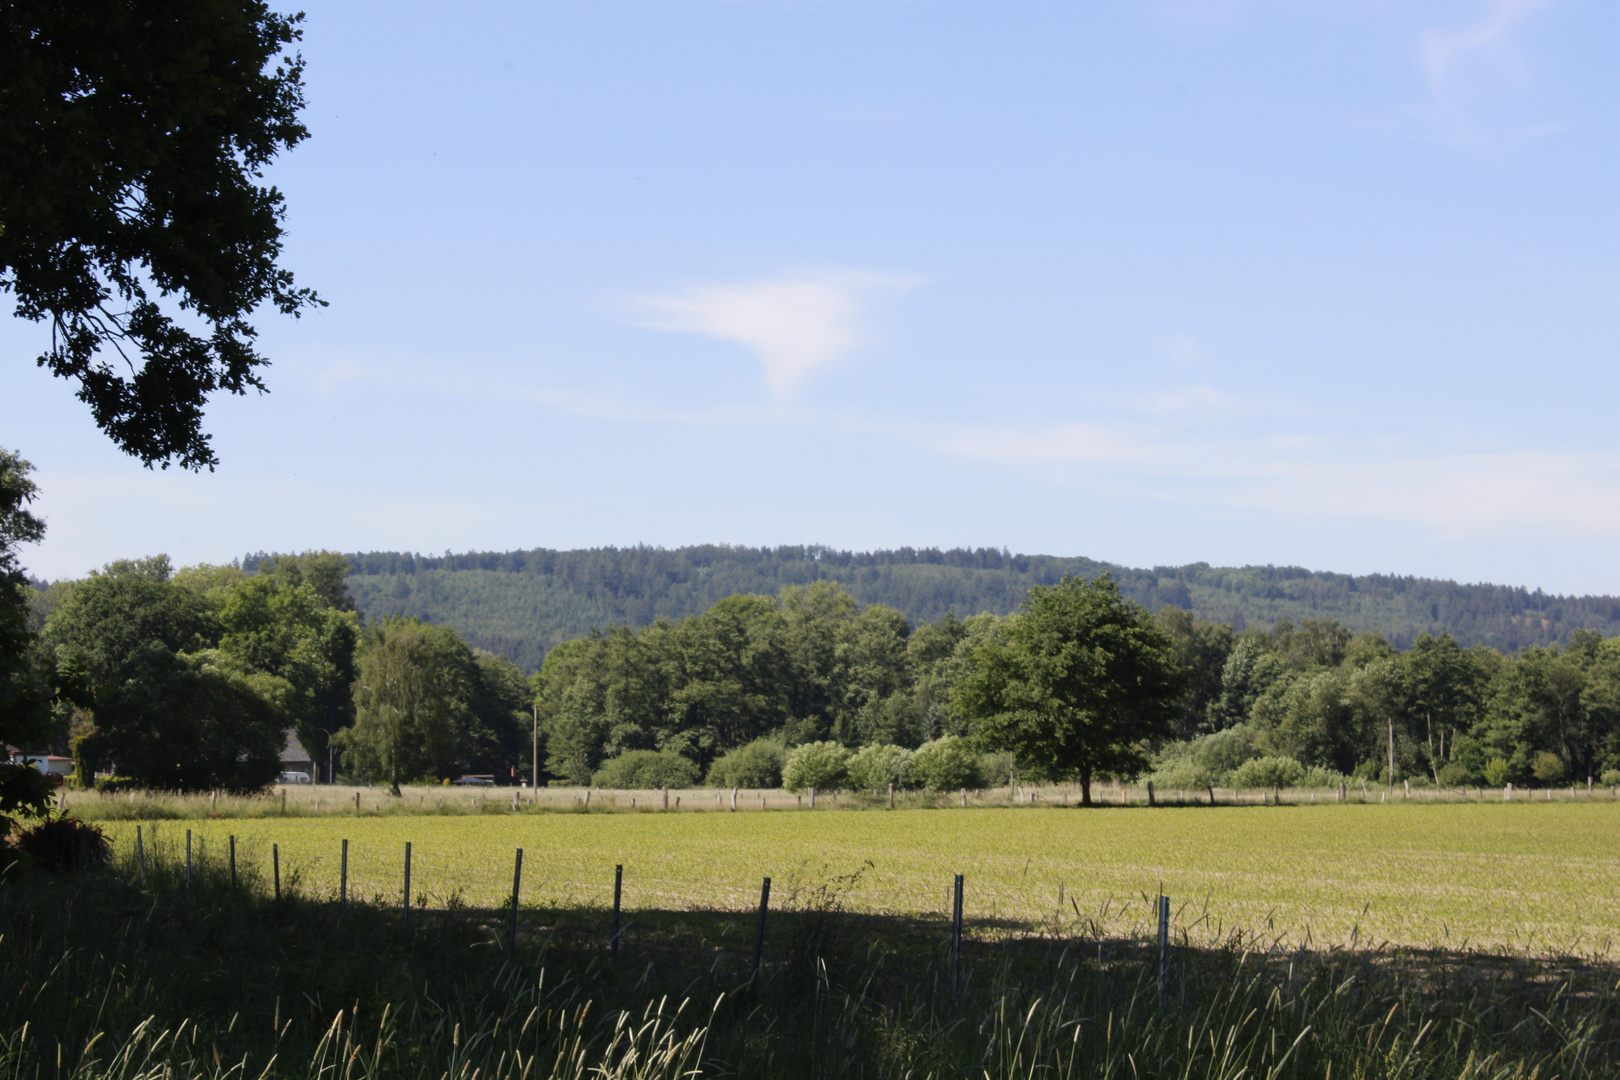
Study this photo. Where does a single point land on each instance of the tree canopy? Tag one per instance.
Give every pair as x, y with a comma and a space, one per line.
133, 215
1082, 681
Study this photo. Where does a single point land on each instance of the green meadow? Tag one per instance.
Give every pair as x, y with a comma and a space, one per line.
1524, 878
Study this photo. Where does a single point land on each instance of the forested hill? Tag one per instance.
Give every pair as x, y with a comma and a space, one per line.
520, 603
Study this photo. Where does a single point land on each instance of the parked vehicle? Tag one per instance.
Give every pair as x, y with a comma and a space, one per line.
294, 778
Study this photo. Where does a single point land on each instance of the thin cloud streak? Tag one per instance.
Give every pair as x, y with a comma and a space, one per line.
1458, 61
794, 325
1298, 476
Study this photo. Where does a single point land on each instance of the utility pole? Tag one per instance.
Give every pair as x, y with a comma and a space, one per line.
535, 775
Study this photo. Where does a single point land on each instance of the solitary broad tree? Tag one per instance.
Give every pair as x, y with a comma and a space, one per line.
1080, 682
408, 706
134, 219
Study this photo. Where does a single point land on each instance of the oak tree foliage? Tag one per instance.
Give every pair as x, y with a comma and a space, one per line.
134, 217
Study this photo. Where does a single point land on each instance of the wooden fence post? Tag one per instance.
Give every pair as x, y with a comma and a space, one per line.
812, 798
964, 798
1150, 794
759, 931
666, 797
891, 796
1507, 793
734, 800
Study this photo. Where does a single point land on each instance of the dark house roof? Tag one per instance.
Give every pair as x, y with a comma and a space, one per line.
294, 753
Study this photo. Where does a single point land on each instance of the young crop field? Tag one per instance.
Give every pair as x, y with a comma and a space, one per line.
1524, 878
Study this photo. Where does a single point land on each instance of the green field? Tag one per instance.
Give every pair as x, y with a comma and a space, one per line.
1525, 878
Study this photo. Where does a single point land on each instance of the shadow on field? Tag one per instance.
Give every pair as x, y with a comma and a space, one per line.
291, 986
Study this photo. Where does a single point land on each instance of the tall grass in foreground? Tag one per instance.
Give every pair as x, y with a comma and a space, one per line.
104, 975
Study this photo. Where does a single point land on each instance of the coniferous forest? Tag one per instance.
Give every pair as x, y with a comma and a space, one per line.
522, 603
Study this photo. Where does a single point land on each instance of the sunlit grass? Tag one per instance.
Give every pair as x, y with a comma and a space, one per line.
1525, 878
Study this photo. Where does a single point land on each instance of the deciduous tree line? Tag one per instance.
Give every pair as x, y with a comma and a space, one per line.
190, 680
1080, 684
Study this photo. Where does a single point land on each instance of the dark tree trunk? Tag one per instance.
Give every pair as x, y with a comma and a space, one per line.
1085, 787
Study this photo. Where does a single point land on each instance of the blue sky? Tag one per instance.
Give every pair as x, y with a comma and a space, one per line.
1329, 283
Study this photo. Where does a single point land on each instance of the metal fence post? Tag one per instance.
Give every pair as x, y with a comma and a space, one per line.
618, 887
759, 931
407, 909
517, 880
1164, 945
956, 939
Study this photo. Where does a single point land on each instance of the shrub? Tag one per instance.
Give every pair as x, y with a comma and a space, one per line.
1320, 776
820, 765
1182, 775
1610, 778
1267, 772
647, 769
1496, 772
63, 843
1454, 774
996, 768
946, 764
756, 765
1547, 767
874, 768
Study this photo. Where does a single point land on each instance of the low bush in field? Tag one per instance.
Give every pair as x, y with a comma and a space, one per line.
1267, 772
647, 769
1182, 775
874, 768
63, 843
1611, 778
1548, 768
997, 768
946, 764
820, 765
756, 765
1320, 776
1455, 774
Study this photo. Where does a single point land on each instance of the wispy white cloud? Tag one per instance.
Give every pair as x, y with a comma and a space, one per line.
794, 325
1465, 67
1304, 476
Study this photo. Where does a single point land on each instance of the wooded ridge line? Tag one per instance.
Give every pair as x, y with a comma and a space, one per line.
522, 603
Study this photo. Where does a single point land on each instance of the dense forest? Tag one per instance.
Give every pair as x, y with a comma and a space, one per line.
522, 603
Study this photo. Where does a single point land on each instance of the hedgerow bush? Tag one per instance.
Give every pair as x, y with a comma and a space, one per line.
946, 764
820, 765
644, 769
874, 768
1267, 772
756, 765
